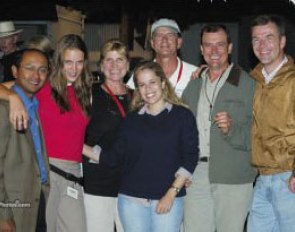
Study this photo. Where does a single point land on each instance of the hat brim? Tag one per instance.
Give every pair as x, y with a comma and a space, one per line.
170, 27
174, 29
5, 34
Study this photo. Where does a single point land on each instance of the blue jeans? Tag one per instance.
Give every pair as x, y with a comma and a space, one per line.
137, 217
273, 206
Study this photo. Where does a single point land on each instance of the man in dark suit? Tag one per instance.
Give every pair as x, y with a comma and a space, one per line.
24, 175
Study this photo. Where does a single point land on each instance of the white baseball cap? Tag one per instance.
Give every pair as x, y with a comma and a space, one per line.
165, 23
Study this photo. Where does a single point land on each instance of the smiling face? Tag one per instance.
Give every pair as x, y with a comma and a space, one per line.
32, 72
166, 42
268, 45
73, 64
215, 49
114, 66
150, 89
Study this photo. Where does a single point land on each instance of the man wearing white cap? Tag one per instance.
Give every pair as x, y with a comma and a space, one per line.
166, 40
8, 46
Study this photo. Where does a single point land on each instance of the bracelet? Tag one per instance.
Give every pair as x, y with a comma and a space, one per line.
176, 189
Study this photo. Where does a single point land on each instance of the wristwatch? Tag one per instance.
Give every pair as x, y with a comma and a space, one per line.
176, 189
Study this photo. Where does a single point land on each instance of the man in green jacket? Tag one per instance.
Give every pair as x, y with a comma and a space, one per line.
221, 100
273, 130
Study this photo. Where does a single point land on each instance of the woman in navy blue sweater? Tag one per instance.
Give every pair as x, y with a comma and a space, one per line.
158, 146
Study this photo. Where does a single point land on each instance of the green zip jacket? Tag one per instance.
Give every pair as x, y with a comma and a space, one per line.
229, 154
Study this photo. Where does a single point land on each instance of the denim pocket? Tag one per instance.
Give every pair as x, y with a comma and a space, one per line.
285, 176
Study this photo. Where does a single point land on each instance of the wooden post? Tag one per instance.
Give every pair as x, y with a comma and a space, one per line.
124, 27
70, 21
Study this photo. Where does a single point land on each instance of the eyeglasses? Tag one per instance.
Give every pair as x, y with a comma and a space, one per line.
33, 69
169, 36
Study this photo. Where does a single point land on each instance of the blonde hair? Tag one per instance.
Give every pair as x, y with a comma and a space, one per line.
110, 46
169, 94
42, 43
114, 45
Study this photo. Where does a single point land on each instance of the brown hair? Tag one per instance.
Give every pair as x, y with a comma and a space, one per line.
211, 28
58, 81
277, 20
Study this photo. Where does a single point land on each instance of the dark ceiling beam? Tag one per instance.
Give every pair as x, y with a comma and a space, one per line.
28, 10
184, 11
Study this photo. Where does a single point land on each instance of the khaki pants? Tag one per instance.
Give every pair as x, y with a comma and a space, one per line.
210, 207
65, 213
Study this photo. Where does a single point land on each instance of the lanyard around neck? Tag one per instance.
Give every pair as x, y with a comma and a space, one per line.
215, 90
179, 73
117, 102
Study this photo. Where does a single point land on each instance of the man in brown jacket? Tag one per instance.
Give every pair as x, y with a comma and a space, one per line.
273, 130
24, 175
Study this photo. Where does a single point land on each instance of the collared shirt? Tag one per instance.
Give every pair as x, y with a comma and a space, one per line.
31, 106
209, 92
144, 109
269, 76
186, 73
179, 85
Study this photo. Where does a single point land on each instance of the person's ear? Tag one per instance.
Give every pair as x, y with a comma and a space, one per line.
201, 48
283, 41
152, 43
15, 38
100, 66
230, 48
163, 84
179, 42
14, 70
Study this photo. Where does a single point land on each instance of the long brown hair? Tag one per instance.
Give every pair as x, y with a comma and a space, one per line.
169, 94
58, 81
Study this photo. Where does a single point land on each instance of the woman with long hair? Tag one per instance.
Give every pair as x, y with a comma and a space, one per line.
64, 112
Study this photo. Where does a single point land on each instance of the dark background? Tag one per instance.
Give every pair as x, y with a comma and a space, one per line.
185, 12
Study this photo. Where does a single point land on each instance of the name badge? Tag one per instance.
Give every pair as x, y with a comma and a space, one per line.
71, 192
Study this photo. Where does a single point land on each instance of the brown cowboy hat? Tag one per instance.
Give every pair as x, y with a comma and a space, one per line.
7, 29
